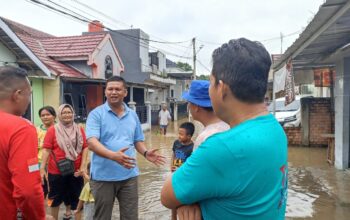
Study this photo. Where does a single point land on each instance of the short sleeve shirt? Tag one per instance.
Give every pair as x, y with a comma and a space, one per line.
50, 142
209, 131
181, 152
114, 132
238, 174
164, 117
20, 184
41, 130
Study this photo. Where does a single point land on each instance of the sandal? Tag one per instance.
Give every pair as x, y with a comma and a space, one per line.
67, 217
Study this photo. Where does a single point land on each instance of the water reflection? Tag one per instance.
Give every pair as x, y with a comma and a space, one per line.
316, 190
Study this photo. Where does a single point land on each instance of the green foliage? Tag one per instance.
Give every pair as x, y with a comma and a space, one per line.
184, 66
203, 77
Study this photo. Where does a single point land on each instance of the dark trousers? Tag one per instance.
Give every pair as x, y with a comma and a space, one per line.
105, 193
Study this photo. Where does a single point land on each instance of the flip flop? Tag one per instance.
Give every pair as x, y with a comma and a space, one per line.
67, 217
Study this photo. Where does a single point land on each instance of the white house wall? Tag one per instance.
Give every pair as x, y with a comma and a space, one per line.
158, 96
178, 89
144, 49
107, 49
7, 56
161, 62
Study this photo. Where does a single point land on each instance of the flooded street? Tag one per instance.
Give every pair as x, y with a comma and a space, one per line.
316, 190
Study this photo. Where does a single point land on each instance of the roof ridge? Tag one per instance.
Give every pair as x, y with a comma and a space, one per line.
26, 30
75, 36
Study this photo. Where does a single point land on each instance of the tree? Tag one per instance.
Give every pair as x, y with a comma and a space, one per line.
184, 66
203, 77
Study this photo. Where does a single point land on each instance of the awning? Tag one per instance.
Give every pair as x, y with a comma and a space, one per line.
325, 34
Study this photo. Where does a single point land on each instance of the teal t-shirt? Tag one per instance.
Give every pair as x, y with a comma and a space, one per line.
238, 174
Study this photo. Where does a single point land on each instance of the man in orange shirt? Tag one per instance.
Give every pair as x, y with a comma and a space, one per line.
20, 185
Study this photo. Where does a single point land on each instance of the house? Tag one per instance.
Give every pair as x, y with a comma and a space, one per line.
145, 72
69, 69
183, 80
325, 44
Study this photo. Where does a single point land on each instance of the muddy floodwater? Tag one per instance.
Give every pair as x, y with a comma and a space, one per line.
317, 191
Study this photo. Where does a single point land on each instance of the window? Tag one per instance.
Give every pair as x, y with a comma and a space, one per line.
82, 106
68, 99
108, 67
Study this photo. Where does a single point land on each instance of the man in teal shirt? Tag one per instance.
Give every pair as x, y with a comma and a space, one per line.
240, 173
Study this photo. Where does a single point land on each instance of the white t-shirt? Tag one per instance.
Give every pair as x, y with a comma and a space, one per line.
164, 117
209, 131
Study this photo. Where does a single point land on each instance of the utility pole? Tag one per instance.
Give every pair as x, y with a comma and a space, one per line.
194, 58
281, 35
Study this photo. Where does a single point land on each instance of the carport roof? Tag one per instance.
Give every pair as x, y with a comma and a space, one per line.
328, 31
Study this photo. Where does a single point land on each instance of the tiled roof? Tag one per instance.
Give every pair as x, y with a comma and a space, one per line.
37, 48
25, 30
46, 47
74, 46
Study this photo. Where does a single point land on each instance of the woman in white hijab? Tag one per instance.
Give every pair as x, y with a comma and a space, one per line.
64, 141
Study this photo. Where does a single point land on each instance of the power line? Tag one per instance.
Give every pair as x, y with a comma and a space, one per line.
269, 39
278, 38
100, 13
200, 63
130, 38
123, 23
84, 19
54, 11
116, 21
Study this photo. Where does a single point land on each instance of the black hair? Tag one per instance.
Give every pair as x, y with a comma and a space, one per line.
48, 108
116, 79
208, 109
244, 66
10, 78
189, 127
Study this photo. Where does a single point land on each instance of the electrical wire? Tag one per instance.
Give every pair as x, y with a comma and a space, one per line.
123, 23
266, 40
89, 21
200, 63
86, 20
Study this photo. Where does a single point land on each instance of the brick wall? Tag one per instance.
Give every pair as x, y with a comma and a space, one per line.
294, 135
320, 121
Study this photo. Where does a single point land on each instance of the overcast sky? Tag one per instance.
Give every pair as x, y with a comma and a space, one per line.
212, 22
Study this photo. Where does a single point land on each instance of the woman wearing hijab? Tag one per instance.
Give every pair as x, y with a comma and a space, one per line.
65, 141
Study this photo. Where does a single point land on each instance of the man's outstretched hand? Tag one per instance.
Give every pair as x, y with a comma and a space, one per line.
154, 157
123, 159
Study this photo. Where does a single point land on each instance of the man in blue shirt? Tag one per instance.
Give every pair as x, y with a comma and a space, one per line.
240, 173
114, 133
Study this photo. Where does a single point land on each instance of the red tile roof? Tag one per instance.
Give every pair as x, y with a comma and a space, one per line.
46, 47
74, 46
59, 68
25, 30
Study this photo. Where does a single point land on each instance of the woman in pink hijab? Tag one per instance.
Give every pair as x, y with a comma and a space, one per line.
64, 141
